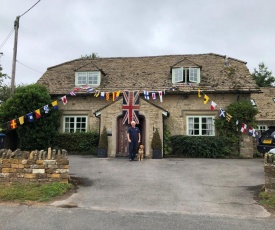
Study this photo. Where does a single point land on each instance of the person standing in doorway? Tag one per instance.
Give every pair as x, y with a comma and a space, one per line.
133, 135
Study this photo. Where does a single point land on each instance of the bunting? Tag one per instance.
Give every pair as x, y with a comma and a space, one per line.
13, 124
30, 117
54, 104
64, 100
146, 95
46, 108
206, 99
21, 120
154, 96
107, 96
228, 117
160, 96
213, 105
90, 90
199, 93
37, 113
102, 95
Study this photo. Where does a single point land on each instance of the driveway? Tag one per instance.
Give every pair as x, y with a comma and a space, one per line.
224, 187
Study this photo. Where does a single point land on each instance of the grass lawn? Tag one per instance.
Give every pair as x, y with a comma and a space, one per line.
33, 192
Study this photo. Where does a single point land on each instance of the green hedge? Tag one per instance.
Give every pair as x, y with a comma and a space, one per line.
77, 143
204, 147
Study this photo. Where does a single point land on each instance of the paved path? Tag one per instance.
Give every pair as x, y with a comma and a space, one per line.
215, 187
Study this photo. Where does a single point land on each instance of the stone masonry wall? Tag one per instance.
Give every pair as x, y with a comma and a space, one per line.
33, 167
269, 169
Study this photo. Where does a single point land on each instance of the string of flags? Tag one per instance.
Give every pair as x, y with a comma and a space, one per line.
36, 114
32, 116
223, 114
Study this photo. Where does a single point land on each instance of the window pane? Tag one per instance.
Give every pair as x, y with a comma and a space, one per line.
75, 124
193, 74
178, 74
81, 78
93, 79
200, 126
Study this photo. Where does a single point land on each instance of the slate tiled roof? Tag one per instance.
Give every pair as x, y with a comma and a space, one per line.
265, 104
152, 73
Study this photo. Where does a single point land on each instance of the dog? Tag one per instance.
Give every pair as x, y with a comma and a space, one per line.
140, 153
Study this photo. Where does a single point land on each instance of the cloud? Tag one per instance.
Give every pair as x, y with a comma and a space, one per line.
54, 32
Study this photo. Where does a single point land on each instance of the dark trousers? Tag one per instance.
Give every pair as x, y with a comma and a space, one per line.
133, 147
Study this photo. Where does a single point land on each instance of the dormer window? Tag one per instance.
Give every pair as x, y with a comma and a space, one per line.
186, 75
91, 78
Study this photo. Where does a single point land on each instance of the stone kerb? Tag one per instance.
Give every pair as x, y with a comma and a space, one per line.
34, 166
269, 169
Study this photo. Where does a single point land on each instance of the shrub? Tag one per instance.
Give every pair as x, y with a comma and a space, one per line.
205, 147
74, 143
103, 141
39, 133
156, 141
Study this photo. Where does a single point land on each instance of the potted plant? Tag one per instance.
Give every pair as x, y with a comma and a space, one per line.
103, 144
156, 145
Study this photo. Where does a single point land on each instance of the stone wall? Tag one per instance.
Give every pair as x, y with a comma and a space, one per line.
34, 167
269, 169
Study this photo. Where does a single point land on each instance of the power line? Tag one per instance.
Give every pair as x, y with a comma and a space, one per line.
10, 33
29, 9
7, 38
29, 67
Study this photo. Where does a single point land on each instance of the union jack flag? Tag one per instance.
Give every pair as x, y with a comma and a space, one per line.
130, 106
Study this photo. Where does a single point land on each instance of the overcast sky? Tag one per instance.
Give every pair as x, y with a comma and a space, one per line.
57, 31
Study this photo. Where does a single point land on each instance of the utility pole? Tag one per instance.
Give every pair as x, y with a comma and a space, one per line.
16, 26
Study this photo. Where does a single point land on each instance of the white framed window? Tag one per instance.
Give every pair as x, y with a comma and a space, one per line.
92, 78
200, 126
186, 75
74, 124
262, 128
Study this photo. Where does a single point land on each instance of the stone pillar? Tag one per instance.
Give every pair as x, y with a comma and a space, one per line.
246, 148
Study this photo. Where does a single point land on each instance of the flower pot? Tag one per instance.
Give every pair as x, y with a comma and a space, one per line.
157, 154
102, 153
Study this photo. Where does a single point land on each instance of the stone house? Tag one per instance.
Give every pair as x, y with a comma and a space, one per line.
265, 102
178, 77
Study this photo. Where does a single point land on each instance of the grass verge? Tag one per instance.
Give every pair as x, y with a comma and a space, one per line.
33, 192
268, 200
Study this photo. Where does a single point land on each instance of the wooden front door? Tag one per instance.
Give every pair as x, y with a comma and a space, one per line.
122, 142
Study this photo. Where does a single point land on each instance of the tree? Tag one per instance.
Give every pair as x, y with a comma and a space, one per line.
40, 133
241, 111
263, 77
4, 89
